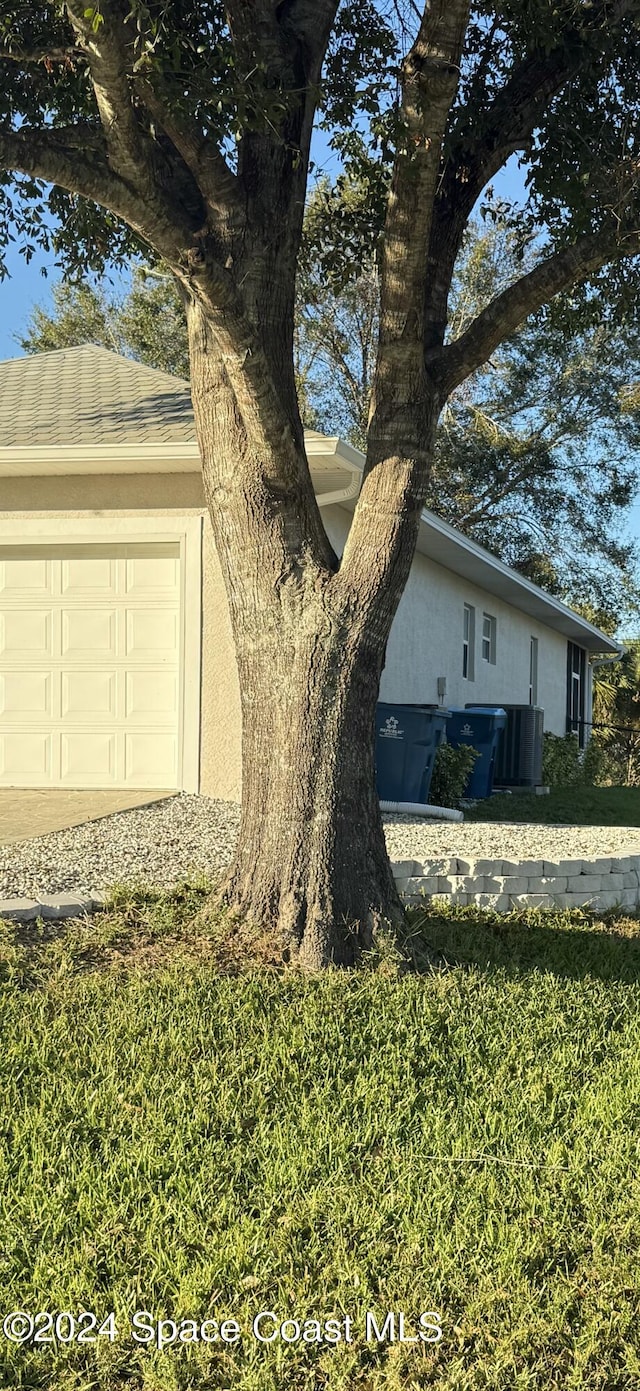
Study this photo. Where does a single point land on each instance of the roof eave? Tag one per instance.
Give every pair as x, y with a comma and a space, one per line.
478, 565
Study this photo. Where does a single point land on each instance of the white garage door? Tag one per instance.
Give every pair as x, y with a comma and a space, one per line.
89, 666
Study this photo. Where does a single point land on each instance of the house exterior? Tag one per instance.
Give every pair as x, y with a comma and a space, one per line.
116, 657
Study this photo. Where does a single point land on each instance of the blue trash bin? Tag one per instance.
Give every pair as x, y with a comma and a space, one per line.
407, 737
480, 728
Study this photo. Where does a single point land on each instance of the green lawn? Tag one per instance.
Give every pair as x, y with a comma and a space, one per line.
197, 1141
582, 806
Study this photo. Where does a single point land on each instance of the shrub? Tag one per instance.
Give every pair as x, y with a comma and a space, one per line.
560, 760
451, 773
594, 763
564, 764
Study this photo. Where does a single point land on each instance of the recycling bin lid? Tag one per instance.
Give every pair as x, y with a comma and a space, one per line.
486, 709
418, 705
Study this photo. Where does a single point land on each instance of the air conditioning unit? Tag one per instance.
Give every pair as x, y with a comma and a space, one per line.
518, 760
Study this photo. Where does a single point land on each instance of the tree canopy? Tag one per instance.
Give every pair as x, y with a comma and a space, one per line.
202, 83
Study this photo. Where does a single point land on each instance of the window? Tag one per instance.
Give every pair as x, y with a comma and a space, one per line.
468, 642
533, 672
576, 686
488, 638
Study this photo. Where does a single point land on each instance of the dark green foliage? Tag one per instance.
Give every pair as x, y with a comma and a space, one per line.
577, 159
560, 760
451, 772
616, 714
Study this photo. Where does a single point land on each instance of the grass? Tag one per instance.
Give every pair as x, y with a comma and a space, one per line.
187, 1136
581, 806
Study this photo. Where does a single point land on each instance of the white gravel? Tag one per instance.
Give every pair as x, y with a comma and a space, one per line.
189, 834
415, 839
160, 843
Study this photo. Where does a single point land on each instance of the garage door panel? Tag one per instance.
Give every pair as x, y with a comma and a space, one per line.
89, 575
90, 666
151, 760
25, 576
151, 693
26, 633
88, 633
88, 759
152, 634
89, 695
26, 758
152, 576
26, 695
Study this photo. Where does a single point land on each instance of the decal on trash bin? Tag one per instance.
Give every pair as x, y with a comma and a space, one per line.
466, 730
390, 729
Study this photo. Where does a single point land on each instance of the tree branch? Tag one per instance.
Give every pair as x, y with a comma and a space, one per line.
508, 310
82, 167
52, 154
402, 419
110, 53
46, 55
430, 79
203, 158
516, 110
507, 125
311, 21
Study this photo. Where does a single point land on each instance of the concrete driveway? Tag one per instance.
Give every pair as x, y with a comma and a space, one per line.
32, 812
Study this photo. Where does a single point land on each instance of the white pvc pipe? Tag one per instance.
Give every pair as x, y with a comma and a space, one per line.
419, 809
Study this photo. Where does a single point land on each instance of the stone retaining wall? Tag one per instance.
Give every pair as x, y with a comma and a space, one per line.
499, 884
507, 884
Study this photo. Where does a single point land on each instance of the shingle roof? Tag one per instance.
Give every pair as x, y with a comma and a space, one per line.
88, 395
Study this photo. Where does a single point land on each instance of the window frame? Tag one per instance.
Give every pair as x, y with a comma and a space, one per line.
533, 670
576, 691
489, 638
468, 642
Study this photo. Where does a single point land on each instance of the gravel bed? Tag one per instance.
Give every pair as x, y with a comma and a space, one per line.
411, 838
191, 834
160, 843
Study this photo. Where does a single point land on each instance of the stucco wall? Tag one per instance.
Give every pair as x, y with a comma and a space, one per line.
426, 642
113, 493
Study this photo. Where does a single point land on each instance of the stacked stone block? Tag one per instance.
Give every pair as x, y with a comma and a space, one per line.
507, 884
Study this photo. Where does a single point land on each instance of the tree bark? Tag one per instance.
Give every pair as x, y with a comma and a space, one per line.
311, 862
311, 865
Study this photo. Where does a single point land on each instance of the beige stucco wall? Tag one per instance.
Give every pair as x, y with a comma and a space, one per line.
425, 642
159, 495
76, 494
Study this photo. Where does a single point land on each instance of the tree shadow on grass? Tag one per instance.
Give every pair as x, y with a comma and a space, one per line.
573, 944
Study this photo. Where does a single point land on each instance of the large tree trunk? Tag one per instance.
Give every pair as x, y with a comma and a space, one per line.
311, 862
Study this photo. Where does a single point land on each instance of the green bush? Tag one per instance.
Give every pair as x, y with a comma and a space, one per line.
594, 763
451, 772
560, 760
564, 764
